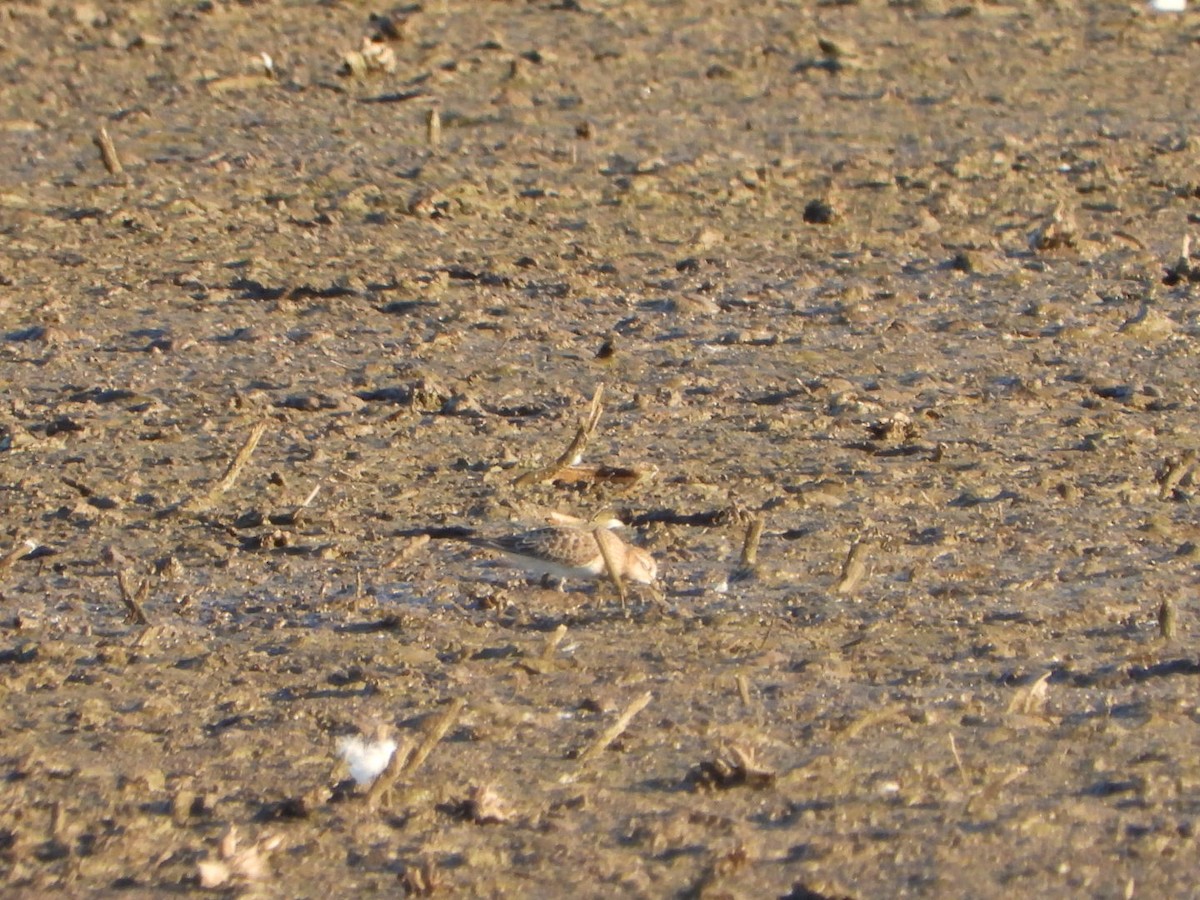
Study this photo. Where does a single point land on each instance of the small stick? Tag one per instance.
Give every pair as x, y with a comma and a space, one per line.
232, 472
312, 495
595, 409
293, 518
875, 717
433, 127
962, 771
553, 641
132, 601
853, 569
743, 686
239, 461
617, 728
574, 452
750, 544
408, 551
434, 735
16, 553
391, 772
108, 151
1166, 619
1173, 472
614, 574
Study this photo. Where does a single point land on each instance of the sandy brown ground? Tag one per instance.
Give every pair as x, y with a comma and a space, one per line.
902, 289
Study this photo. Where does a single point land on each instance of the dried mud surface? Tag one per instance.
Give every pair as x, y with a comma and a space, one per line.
900, 276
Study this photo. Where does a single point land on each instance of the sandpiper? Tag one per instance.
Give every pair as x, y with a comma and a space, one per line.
573, 552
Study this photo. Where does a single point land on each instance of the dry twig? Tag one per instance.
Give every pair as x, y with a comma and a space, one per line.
390, 774
750, 545
240, 460
410, 549
233, 470
617, 728
747, 567
1166, 619
433, 127
574, 452
553, 641
854, 569
434, 735
108, 151
133, 599
404, 763
21, 549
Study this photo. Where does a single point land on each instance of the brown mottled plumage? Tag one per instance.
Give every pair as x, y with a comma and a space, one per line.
568, 552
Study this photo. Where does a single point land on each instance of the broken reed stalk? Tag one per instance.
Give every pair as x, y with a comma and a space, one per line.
1166, 619
433, 127
312, 495
405, 763
108, 151
750, 545
233, 470
1173, 471
893, 713
410, 549
962, 770
574, 452
743, 686
617, 728
21, 549
610, 565
296, 514
239, 461
854, 569
434, 735
595, 408
553, 641
387, 778
131, 600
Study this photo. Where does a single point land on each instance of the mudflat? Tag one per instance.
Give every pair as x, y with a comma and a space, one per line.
888, 317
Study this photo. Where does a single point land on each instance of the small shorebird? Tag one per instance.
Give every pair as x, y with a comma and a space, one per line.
568, 551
